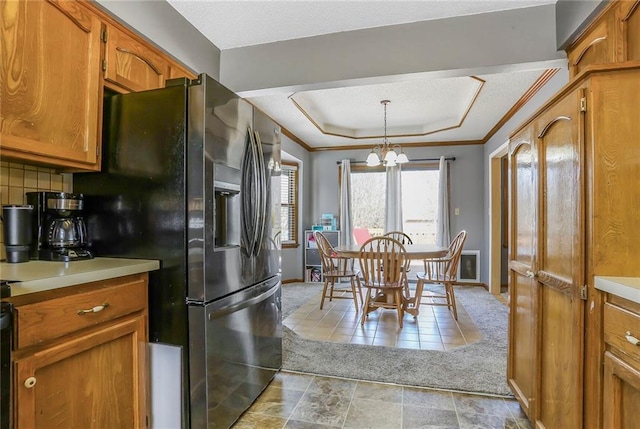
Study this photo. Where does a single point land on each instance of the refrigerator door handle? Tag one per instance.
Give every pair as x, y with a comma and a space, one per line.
262, 211
256, 205
247, 212
244, 304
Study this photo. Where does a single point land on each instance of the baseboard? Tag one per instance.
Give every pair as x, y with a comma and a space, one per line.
484, 285
292, 281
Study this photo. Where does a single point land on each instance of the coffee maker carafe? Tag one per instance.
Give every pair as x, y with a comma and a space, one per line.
59, 231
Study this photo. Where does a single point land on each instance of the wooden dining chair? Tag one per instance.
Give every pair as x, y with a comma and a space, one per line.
335, 268
400, 236
383, 265
443, 271
404, 239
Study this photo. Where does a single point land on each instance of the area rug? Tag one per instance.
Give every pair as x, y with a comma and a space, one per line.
480, 367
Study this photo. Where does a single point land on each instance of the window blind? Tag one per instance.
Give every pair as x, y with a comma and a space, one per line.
289, 203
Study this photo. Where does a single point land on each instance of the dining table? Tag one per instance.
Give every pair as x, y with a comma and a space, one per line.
414, 251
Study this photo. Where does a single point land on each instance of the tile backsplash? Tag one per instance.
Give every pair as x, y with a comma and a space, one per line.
18, 179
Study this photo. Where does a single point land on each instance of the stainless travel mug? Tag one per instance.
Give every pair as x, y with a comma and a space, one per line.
16, 223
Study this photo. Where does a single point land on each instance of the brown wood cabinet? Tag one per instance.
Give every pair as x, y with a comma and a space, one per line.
621, 364
80, 359
574, 193
57, 57
547, 265
613, 37
176, 70
50, 86
132, 64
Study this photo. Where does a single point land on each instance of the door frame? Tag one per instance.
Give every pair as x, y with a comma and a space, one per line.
495, 217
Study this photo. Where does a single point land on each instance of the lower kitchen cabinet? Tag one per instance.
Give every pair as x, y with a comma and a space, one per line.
621, 393
621, 398
93, 377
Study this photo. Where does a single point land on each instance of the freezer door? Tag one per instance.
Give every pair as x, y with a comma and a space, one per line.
235, 351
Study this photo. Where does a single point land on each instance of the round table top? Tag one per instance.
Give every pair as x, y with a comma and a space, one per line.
414, 251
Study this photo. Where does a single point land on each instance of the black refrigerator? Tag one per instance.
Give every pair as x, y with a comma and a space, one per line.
190, 176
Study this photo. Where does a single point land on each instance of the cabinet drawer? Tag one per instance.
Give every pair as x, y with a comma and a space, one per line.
53, 318
617, 322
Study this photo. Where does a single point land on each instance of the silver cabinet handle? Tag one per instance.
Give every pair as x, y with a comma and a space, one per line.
633, 340
530, 274
30, 382
96, 309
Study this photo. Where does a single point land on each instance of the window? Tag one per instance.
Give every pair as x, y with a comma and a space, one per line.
419, 201
289, 204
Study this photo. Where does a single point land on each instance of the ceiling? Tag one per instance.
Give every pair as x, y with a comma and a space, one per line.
422, 110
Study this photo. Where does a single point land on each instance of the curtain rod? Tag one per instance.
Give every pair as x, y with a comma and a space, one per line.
448, 158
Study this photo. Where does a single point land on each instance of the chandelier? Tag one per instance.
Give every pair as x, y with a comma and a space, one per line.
386, 153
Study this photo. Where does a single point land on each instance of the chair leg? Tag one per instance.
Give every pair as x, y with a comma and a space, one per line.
324, 292
452, 299
359, 288
398, 294
365, 307
333, 282
415, 302
353, 290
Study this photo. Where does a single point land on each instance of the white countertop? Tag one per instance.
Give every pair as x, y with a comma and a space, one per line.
624, 287
38, 276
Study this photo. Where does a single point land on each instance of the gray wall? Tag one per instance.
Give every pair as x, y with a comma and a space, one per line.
466, 188
165, 27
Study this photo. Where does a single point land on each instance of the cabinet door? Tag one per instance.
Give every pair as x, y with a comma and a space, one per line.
131, 64
521, 368
621, 393
560, 263
597, 46
96, 380
50, 83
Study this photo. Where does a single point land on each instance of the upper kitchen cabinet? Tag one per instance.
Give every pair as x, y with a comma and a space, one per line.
132, 64
176, 71
613, 37
50, 88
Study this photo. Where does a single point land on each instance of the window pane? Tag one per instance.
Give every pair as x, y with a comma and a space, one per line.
419, 202
367, 197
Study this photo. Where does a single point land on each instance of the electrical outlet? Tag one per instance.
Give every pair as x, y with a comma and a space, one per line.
457, 211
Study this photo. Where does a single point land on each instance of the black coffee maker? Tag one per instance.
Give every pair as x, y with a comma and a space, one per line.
59, 231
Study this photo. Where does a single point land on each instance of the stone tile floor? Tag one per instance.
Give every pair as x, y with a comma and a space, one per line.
305, 401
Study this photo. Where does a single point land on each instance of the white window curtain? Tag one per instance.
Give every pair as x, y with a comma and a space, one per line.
393, 200
443, 235
346, 221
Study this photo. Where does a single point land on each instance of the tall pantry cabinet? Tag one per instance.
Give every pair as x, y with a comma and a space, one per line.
575, 199
575, 209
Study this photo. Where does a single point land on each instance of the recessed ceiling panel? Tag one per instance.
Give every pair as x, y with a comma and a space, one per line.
361, 108
416, 107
